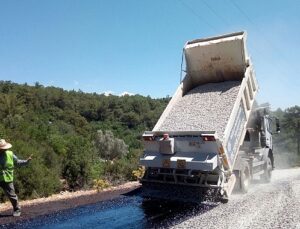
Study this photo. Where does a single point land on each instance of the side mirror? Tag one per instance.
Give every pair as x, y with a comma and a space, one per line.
277, 125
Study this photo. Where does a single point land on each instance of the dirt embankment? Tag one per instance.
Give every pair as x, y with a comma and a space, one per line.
62, 201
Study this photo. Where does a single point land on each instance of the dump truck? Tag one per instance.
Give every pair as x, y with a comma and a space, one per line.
211, 136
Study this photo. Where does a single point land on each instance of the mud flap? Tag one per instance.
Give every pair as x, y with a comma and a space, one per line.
179, 192
229, 186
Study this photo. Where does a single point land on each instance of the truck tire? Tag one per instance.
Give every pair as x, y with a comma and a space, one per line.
224, 200
266, 176
223, 197
245, 178
263, 141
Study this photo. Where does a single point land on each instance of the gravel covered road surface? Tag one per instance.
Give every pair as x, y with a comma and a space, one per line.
272, 205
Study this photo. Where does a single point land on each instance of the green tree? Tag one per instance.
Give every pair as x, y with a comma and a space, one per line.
108, 147
77, 163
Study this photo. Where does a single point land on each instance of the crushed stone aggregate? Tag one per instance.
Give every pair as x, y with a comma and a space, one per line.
204, 108
272, 205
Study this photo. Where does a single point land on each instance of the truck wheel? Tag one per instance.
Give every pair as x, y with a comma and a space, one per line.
223, 197
245, 178
266, 177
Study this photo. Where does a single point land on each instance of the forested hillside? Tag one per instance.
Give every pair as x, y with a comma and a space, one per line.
74, 137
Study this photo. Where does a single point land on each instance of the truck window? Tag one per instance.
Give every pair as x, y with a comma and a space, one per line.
247, 136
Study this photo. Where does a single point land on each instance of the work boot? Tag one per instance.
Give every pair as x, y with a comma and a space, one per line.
17, 213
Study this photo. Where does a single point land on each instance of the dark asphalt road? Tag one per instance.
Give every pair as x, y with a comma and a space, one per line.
123, 212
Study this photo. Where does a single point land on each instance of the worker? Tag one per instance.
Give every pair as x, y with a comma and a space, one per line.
7, 161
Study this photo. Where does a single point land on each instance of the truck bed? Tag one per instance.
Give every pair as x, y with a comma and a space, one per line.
204, 108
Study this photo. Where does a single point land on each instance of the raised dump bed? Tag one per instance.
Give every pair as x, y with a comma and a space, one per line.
216, 95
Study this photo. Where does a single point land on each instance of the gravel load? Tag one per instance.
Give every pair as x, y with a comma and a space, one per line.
204, 108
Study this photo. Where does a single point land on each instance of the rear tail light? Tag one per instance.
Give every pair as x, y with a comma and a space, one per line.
148, 138
209, 138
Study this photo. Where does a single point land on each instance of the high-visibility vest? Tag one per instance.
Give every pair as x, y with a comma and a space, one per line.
7, 170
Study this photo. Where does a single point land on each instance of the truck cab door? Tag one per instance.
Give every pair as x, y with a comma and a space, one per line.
266, 134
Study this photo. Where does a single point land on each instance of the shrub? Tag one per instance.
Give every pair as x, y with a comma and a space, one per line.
100, 184
139, 173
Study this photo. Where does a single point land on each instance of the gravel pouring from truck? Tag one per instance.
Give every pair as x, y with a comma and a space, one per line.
199, 140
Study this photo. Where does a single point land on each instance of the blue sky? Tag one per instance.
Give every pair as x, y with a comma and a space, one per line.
135, 46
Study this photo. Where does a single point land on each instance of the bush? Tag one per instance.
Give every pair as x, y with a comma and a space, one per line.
77, 163
108, 147
100, 184
139, 173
